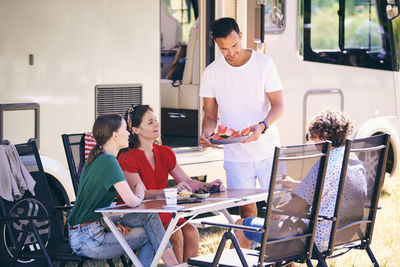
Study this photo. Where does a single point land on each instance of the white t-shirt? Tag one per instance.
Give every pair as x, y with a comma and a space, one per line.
240, 94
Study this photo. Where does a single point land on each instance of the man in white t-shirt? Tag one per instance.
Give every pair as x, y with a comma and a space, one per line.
244, 88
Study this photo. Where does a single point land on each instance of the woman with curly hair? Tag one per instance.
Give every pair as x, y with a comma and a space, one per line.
329, 125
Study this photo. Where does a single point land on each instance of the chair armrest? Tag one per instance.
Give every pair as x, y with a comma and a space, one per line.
302, 215
236, 226
369, 207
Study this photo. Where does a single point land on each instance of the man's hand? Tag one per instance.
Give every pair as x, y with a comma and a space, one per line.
256, 130
205, 140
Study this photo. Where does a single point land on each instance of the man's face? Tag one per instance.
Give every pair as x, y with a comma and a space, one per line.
230, 47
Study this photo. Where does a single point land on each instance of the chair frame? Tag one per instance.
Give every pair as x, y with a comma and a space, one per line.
313, 217
69, 155
380, 174
30, 226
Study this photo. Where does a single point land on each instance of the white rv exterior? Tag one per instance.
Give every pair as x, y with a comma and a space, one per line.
55, 53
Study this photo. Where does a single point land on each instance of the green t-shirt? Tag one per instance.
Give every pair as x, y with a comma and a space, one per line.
96, 189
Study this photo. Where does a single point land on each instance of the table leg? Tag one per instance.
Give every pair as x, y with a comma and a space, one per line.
228, 216
122, 241
164, 241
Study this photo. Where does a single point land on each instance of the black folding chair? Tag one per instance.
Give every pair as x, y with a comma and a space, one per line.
73, 144
297, 243
355, 211
30, 225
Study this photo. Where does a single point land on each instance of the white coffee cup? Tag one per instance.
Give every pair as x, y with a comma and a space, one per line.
171, 196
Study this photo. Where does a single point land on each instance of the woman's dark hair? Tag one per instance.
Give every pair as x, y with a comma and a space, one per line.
222, 27
103, 129
134, 117
331, 125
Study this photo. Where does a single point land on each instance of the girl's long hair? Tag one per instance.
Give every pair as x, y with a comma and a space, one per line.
134, 117
103, 129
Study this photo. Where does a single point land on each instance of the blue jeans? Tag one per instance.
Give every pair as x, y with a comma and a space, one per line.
93, 241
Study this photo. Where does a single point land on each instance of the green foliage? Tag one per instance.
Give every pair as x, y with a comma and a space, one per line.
324, 26
361, 25
396, 32
358, 29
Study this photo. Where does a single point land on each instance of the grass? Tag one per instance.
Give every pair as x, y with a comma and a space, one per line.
385, 242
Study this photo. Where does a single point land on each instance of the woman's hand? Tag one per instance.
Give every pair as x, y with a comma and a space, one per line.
276, 217
123, 229
184, 185
218, 183
290, 183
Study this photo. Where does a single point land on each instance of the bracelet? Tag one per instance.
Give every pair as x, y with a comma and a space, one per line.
265, 124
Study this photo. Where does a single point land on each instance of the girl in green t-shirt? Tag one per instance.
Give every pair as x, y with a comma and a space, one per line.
101, 180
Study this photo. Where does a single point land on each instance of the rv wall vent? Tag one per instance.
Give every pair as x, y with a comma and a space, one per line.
116, 98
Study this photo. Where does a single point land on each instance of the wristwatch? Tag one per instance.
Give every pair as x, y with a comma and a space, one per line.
265, 124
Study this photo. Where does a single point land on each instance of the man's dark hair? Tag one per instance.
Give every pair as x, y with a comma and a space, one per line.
222, 27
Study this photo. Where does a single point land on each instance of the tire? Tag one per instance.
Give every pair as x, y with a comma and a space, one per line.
6, 249
60, 214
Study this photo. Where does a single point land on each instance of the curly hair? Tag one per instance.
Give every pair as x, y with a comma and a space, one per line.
331, 125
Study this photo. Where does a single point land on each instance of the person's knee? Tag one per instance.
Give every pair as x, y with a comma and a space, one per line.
240, 221
191, 233
249, 210
176, 239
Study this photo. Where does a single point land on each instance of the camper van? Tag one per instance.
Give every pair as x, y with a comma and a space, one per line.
75, 60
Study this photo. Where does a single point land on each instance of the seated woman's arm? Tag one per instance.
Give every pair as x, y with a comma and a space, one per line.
127, 194
289, 183
296, 205
134, 180
185, 182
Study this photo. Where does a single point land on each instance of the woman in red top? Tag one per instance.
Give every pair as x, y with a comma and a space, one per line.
150, 164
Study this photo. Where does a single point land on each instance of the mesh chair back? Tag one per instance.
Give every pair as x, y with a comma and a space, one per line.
292, 238
40, 206
73, 144
361, 188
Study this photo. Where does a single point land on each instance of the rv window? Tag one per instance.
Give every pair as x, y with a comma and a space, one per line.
350, 32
